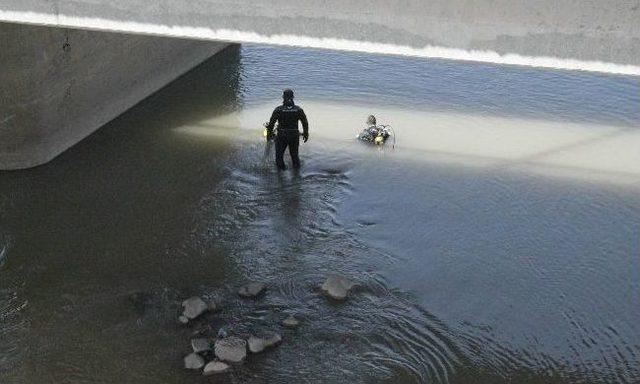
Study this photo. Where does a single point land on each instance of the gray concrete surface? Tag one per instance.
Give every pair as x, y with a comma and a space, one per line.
57, 86
588, 30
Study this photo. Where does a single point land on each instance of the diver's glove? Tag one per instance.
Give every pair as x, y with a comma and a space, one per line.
270, 135
305, 137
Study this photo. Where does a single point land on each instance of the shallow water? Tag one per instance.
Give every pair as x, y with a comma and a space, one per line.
497, 242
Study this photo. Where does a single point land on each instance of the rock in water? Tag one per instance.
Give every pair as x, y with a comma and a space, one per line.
272, 340
290, 322
259, 344
200, 345
256, 344
193, 361
215, 367
252, 289
194, 307
231, 349
337, 287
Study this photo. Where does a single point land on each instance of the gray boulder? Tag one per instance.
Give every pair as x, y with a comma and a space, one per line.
193, 361
256, 344
200, 345
215, 367
194, 307
259, 344
252, 289
337, 287
231, 349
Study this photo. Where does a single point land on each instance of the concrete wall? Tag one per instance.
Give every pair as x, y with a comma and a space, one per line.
57, 86
585, 30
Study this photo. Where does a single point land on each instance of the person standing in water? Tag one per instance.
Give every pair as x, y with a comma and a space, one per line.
287, 115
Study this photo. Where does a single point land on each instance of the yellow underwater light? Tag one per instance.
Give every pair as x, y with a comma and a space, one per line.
379, 140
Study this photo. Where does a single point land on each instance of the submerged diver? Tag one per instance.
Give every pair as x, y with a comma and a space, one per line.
287, 115
374, 133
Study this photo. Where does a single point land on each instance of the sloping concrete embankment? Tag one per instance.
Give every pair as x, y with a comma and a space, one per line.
595, 35
58, 85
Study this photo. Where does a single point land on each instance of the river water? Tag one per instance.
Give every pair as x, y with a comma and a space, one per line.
497, 242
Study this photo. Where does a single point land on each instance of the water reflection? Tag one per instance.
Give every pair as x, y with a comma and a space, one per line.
437, 86
583, 151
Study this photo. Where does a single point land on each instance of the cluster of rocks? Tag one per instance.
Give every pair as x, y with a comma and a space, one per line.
227, 350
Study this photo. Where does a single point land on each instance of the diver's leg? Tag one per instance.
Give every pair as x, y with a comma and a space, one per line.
281, 145
294, 143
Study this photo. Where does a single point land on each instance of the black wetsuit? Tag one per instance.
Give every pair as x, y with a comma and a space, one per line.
287, 115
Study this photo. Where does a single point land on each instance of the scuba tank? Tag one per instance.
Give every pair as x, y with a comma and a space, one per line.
377, 135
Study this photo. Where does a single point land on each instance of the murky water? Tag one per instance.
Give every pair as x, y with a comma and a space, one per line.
498, 242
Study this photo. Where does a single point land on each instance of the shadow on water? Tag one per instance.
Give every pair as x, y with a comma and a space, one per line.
128, 181
96, 224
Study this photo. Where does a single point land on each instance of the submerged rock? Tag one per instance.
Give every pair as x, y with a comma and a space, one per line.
259, 344
200, 345
193, 361
252, 289
194, 307
337, 287
215, 367
231, 349
290, 322
273, 340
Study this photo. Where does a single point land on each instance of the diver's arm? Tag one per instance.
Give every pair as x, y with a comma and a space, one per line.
305, 125
272, 121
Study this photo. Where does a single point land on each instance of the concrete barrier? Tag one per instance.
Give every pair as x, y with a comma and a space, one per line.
57, 85
596, 35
